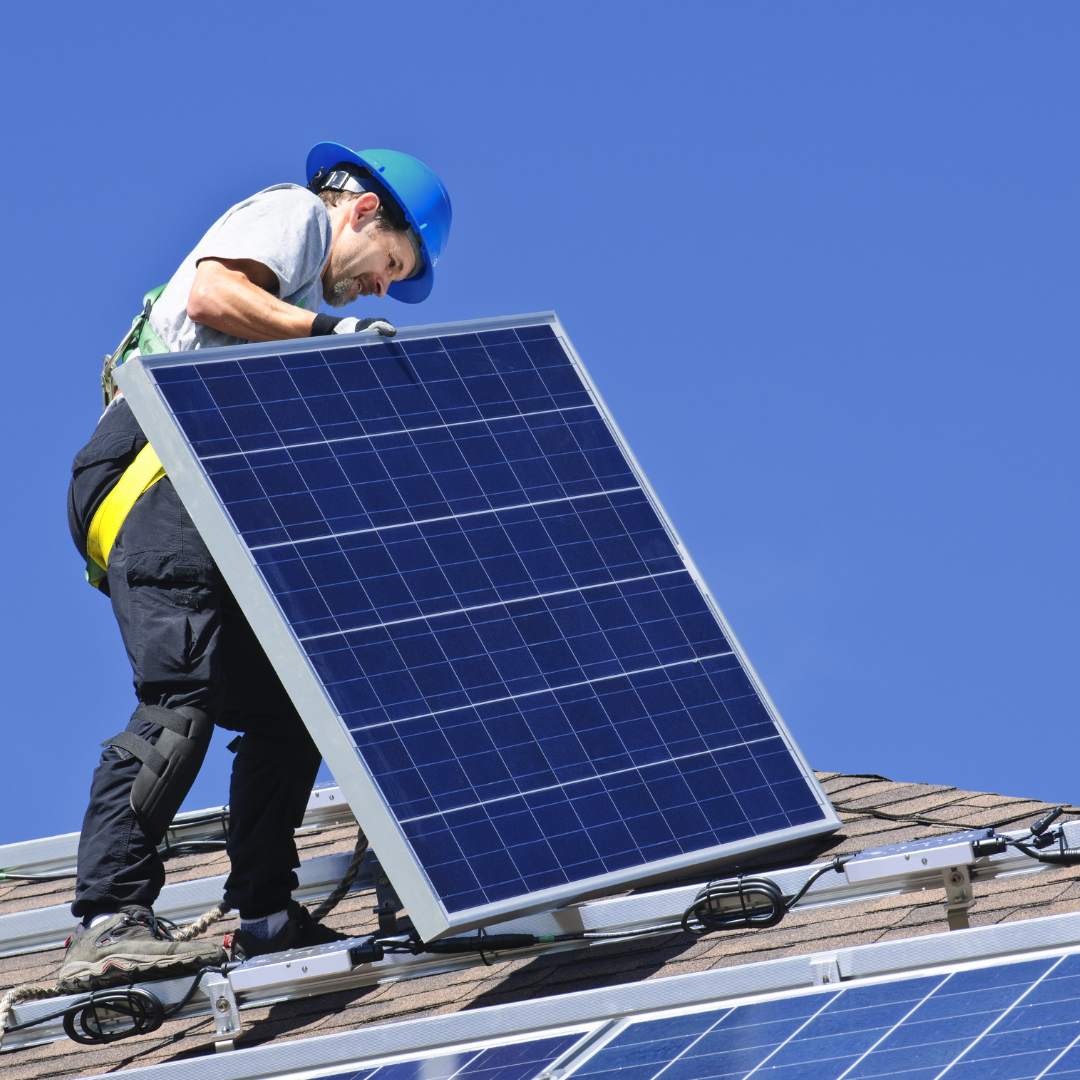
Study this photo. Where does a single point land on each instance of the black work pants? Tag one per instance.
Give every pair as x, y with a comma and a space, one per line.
189, 644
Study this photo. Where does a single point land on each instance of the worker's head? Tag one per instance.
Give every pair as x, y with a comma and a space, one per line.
413, 206
373, 247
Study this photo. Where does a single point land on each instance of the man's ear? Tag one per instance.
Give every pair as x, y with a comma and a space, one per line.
363, 209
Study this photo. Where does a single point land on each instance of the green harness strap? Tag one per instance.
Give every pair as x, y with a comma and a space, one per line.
140, 336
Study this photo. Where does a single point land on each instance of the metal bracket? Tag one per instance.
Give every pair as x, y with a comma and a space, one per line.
958, 896
224, 1009
388, 904
825, 970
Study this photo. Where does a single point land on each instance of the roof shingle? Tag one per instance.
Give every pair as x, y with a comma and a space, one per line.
875, 811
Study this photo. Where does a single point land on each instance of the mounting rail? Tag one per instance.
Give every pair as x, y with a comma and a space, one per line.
309, 972
56, 854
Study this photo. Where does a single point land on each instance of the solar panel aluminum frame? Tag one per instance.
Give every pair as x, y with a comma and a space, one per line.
606, 1009
298, 676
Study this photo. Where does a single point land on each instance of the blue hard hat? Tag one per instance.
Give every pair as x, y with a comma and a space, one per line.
418, 192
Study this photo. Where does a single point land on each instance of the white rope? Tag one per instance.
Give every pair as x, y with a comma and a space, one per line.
26, 992
201, 924
193, 929
346, 882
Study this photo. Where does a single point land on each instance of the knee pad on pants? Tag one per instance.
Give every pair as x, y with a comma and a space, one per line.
169, 766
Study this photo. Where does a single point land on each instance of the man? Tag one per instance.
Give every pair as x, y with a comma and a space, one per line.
369, 224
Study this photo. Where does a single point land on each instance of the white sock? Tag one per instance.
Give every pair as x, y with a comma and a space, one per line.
99, 919
266, 927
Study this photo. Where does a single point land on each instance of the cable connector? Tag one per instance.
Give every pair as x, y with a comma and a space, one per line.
1063, 856
990, 845
367, 952
1046, 839
1046, 821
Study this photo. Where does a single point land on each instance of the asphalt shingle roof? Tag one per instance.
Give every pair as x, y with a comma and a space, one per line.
874, 811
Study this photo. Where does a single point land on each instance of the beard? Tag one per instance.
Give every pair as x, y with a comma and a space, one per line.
338, 293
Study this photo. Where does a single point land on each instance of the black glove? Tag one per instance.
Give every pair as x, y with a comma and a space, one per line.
332, 324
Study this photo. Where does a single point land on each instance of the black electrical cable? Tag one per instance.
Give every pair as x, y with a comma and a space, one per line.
1063, 856
761, 902
922, 819
194, 847
143, 1009
618, 935
85, 1020
114, 1014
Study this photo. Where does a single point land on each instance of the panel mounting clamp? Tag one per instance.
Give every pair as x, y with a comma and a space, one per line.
224, 1009
825, 970
958, 896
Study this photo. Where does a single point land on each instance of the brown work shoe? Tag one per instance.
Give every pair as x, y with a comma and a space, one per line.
129, 947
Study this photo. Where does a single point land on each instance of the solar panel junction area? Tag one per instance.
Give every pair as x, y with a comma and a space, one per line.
481, 611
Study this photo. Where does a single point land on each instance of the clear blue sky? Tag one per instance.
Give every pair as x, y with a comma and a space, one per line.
821, 259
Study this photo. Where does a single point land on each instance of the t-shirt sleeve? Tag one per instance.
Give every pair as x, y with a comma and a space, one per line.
284, 228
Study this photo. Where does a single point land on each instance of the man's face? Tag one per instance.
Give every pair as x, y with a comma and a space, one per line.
365, 259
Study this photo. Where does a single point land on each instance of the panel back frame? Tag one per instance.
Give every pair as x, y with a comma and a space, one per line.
306, 691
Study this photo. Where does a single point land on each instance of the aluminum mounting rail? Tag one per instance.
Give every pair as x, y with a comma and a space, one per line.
47, 927
56, 854
220, 998
311, 972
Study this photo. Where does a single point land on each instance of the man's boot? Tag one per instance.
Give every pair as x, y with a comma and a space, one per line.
130, 946
300, 931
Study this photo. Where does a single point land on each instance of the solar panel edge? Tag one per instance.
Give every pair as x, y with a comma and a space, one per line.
412, 881
831, 820
307, 692
660, 871
223, 353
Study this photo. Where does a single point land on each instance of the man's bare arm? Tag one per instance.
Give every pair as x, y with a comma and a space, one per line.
236, 297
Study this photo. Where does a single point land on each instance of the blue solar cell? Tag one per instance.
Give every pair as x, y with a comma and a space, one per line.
1067, 1065
1020, 1019
501, 618
510, 1061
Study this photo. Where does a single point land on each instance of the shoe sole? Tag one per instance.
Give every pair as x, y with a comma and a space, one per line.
119, 969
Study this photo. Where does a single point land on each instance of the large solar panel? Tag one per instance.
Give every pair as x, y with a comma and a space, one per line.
1015, 1021
483, 614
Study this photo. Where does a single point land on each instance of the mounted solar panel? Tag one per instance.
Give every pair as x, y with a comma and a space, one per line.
480, 610
1013, 1021
1000, 1017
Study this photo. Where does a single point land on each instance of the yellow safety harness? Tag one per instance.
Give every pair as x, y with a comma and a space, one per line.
137, 479
143, 472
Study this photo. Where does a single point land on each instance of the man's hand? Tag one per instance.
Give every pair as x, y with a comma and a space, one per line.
350, 325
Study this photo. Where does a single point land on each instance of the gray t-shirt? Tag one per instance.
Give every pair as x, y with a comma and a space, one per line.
285, 227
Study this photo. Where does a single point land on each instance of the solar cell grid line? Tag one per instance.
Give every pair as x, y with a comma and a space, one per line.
1065, 1064
954, 1020
1016, 1019
916, 1002
508, 660
790, 1056
1018, 1042
508, 1061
